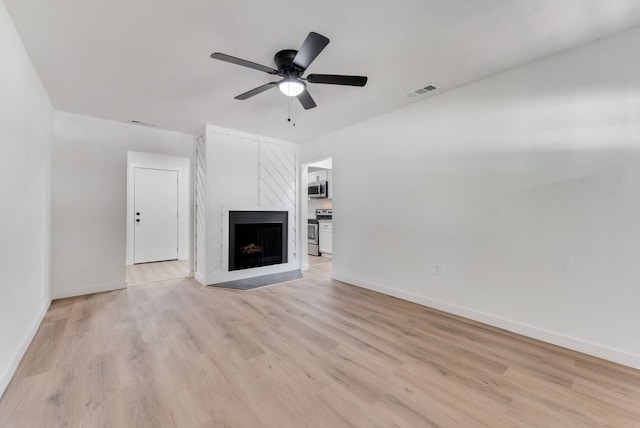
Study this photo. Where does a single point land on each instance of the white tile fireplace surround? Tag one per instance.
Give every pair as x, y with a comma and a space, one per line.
241, 172
225, 274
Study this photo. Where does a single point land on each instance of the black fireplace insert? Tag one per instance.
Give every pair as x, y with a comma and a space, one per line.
257, 238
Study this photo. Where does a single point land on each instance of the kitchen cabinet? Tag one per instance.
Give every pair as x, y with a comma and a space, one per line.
330, 184
325, 236
318, 175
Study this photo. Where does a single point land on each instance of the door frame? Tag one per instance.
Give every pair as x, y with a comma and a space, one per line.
170, 163
304, 206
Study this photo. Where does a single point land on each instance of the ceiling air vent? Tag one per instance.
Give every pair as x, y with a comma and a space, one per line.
424, 90
141, 123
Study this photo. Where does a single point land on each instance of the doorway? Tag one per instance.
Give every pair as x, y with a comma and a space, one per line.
318, 205
158, 213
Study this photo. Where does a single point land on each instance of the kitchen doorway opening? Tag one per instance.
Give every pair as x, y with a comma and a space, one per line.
158, 217
318, 206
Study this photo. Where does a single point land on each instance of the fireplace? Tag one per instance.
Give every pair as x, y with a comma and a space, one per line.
257, 238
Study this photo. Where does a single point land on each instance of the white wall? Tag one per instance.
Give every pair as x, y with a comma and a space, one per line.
174, 163
524, 188
26, 134
89, 198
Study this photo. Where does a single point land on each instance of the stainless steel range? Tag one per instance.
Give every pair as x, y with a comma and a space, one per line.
313, 237
324, 214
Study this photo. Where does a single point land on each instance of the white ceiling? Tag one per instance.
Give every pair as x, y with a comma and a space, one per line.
149, 59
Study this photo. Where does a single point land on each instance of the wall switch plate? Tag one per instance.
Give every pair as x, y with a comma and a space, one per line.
438, 270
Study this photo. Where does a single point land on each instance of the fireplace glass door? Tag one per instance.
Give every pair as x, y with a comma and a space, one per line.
257, 238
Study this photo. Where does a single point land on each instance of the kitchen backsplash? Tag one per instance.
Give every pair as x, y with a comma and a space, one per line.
315, 204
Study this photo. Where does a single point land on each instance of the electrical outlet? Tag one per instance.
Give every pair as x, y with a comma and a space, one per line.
438, 270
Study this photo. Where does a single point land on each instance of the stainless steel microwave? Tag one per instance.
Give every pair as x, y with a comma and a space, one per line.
318, 189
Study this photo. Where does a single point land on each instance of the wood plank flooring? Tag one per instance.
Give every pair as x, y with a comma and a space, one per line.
308, 353
157, 271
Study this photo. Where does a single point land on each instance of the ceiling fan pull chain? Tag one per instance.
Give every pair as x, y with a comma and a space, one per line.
289, 111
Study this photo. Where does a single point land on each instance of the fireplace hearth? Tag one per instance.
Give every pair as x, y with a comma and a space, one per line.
257, 238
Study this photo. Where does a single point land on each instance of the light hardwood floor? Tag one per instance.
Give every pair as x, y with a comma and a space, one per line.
320, 264
157, 271
307, 353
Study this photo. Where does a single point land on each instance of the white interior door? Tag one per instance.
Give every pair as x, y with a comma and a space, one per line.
156, 215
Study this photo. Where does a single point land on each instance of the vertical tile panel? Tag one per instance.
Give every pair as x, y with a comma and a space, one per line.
200, 200
233, 179
278, 183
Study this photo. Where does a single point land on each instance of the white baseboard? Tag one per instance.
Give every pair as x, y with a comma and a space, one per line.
580, 345
97, 288
200, 278
9, 371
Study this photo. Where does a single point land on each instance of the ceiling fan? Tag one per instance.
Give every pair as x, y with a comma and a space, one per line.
291, 66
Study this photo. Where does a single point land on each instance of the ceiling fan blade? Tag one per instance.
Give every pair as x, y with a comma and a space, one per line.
310, 49
336, 79
256, 91
243, 62
306, 100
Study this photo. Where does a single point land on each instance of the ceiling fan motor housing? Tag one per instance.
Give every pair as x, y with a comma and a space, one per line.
284, 62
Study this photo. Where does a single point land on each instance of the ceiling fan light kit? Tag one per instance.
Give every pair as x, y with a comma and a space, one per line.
291, 66
291, 87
